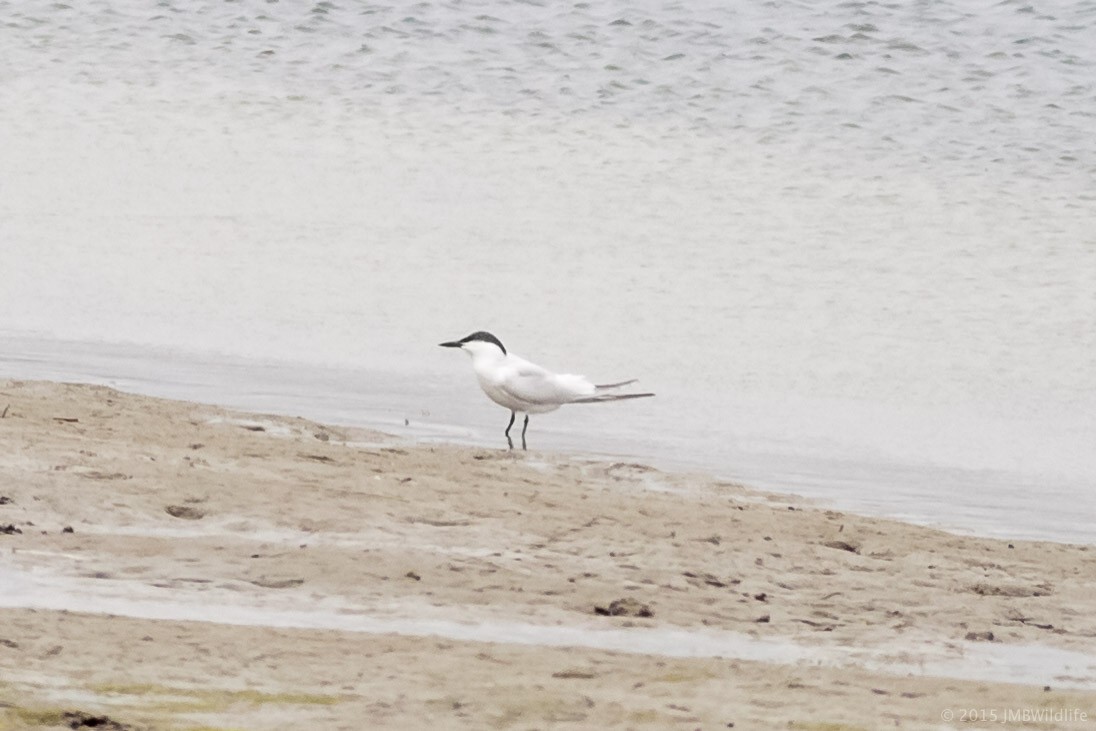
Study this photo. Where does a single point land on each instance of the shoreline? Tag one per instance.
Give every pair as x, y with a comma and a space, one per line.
206, 509
981, 502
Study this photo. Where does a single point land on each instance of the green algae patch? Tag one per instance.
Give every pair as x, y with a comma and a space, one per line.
193, 700
149, 701
36, 717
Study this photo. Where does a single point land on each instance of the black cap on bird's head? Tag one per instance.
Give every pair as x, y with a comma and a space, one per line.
480, 336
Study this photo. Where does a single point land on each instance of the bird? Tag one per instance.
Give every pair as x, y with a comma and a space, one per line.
526, 388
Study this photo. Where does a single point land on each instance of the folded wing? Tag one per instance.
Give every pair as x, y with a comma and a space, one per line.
530, 383
536, 386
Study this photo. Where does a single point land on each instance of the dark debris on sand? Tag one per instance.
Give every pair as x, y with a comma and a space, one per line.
79, 719
625, 608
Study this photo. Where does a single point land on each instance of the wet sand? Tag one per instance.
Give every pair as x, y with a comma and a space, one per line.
176, 565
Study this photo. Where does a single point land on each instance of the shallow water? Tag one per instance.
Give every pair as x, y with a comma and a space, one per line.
852, 248
1027, 664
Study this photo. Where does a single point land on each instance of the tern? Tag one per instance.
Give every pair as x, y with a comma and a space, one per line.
526, 388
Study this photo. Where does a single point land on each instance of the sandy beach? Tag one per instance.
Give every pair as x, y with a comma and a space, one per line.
171, 565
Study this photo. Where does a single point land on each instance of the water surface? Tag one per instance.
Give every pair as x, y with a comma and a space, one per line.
852, 248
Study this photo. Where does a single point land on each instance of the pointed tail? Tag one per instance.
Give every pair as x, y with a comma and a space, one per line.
608, 386
610, 397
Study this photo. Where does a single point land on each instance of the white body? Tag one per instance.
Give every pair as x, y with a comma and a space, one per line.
521, 386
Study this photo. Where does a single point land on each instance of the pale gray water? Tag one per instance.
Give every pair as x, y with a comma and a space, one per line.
1027, 664
852, 247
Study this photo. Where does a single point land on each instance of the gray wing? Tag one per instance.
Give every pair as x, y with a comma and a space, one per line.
530, 383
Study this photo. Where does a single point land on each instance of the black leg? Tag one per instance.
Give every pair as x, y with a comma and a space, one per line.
523, 428
508, 439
